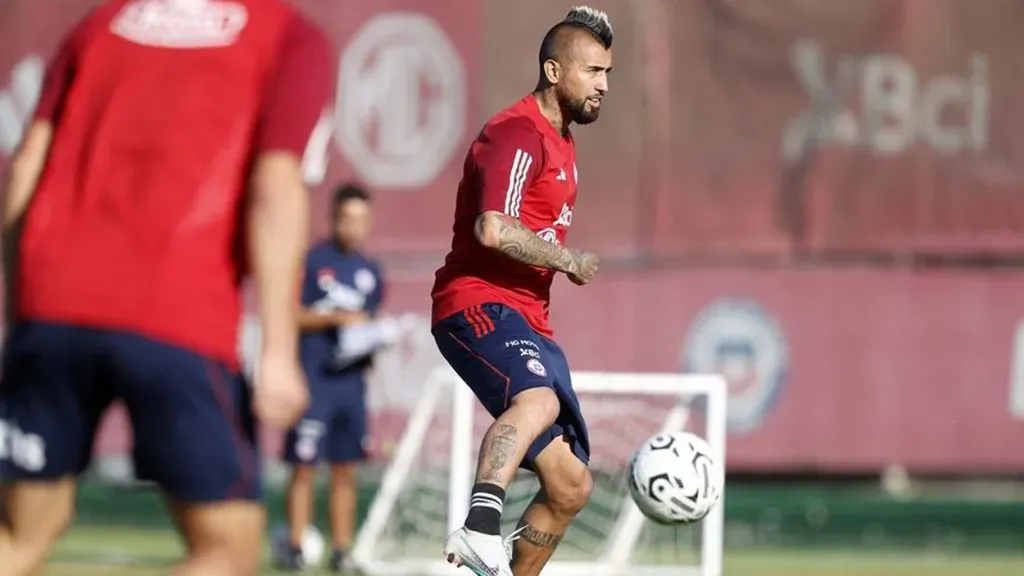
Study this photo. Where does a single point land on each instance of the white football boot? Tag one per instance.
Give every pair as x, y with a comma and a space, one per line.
485, 555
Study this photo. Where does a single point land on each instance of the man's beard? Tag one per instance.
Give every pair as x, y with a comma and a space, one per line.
576, 109
580, 115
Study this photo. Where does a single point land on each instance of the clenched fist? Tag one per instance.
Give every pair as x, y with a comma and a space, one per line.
281, 395
585, 266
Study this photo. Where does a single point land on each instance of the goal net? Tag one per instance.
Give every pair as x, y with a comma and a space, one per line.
425, 490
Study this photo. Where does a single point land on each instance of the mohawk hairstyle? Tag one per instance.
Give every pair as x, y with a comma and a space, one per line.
592, 20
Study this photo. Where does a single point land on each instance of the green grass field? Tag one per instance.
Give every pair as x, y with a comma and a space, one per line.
124, 551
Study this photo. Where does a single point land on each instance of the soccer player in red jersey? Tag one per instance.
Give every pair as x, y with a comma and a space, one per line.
163, 164
490, 300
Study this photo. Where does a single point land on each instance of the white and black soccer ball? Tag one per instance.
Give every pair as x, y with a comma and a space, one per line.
313, 546
674, 479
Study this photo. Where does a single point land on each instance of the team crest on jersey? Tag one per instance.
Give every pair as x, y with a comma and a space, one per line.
738, 339
181, 23
365, 280
337, 296
535, 366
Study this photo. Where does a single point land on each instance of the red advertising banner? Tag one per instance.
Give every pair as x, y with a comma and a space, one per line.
880, 125
834, 370
847, 370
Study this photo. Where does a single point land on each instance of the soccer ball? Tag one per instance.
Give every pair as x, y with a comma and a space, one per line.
312, 546
673, 478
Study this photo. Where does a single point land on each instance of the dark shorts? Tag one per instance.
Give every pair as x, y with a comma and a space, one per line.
334, 427
496, 352
194, 430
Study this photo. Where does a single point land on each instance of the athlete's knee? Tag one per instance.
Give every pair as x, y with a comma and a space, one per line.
344, 475
35, 516
569, 492
225, 536
540, 405
303, 475
23, 554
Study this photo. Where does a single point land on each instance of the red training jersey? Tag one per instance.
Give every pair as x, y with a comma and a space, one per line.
159, 110
522, 166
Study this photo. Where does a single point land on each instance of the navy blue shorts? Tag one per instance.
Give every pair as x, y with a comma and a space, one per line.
195, 434
334, 427
494, 350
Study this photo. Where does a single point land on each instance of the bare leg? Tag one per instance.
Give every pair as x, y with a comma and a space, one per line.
566, 485
223, 539
5, 521
502, 450
343, 505
509, 437
478, 544
299, 502
36, 514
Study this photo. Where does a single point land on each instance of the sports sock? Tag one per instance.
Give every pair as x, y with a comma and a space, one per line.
485, 507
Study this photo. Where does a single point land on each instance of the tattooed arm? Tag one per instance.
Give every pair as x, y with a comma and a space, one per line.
508, 157
509, 236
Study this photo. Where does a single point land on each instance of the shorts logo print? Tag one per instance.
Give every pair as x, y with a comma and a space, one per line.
308, 435
534, 365
512, 359
26, 450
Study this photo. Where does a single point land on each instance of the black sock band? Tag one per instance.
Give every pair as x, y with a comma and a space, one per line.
485, 507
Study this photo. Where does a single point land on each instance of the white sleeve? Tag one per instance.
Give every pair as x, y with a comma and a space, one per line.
359, 341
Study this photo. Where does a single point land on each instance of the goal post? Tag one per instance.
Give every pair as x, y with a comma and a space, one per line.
424, 492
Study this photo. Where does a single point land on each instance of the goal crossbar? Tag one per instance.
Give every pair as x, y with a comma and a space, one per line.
443, 385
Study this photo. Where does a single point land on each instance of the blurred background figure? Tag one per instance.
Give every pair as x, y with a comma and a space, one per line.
137, 183
342, 291
817, 199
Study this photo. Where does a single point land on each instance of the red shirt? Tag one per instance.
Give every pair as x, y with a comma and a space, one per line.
521, 166
159, 110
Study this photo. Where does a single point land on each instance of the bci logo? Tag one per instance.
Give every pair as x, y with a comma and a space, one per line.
895, 107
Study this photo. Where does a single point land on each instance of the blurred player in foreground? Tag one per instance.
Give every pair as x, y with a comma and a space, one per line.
341, 294
513, 210
163, 163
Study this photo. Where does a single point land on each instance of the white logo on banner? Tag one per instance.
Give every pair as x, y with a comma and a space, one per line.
317, 156
897, 107
18, 100
401, 100
1016, 399
738, 339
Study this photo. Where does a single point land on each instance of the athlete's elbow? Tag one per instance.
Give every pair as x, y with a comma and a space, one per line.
488, 229
278, 190
24, 170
